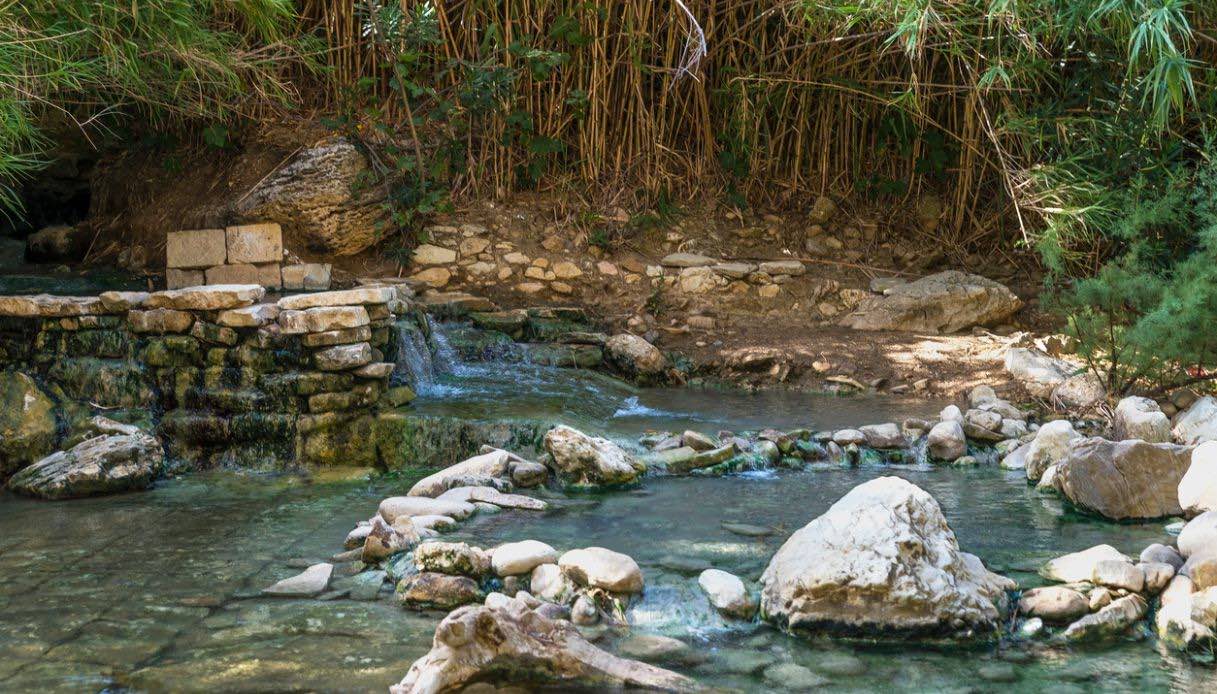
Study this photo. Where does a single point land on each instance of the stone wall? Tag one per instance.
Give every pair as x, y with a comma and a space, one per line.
223, 377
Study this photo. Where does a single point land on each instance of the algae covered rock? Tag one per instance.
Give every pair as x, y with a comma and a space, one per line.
100, 465
27, 422
883, 562
636, 358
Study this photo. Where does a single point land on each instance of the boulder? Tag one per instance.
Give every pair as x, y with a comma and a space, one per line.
1039, 373
312, 198
1079, 566
509, 643
727, 593
1118, 574
1161, 554
883, 435
1141, 418
1199, 536
1054, 604
1080, 392
395, 507
597, 567
548, 582
586, 461
636, 358
946, 441
435, 590
343, 297
487, 465
106, 464
1016, 459
1109, 622
383, 540
882, 561
1124, 480
516, 558
943, 303
27, 422
1198, 488
1198, 423
1051, 446
490, 495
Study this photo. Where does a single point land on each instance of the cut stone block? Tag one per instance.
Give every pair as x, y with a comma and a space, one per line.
269, 275
382, 369
266, 275
50, 306
307, 276
254, 243
346, 297
195, 249
160, 320
323, 319
250, 316
343, 357
210, 298
180, 279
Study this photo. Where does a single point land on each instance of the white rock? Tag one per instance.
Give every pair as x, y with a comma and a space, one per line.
396, 506
1141, 418
1039, 373
583, 460
1199, 536
345, 297
1198, 488
950, 413
429, 254
549, 583
312, 581
1080, 392
727, 593
946, 441
492, 464
884, 435
1050, 447
981, 395
597, 567
521, 557
881, 560
1079, 566
1197, 423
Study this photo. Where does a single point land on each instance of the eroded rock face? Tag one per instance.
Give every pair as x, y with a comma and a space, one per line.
881, 562
100, 465
1141, 418
636, 358
508, 642
1124, 480
587, 461
311, 198
27, 422
942, 303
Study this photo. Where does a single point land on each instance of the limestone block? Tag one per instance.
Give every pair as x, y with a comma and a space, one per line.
254, 243
160, 320
195, 249
343, 357
346, 297
307, 276
179, 279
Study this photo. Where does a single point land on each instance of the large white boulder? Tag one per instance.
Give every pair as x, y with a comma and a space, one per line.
1199, 536
487, 466
636, 358
882, 561
588, 461
597, 567
1124, 480
1198, 488
946, 441
521, 557
945, 302
1039, 373
1050, 447
1198, 423
1079, 566
1141, 418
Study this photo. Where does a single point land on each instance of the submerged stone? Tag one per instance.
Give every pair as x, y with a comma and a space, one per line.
100, 465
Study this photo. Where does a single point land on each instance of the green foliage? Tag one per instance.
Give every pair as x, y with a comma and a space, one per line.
89, 64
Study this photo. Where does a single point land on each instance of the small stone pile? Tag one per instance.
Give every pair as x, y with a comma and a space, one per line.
243, 254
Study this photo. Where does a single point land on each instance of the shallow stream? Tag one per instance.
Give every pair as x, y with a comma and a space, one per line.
158, 591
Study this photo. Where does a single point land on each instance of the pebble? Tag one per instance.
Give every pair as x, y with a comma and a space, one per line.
747, 530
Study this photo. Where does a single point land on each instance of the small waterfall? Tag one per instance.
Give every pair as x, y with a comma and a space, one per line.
416, 364
443, 355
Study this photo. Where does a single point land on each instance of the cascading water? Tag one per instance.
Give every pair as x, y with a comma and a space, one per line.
418, 365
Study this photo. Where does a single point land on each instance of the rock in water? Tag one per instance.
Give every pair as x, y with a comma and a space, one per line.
881, 562
100, 465
1110, 621
586, 461
511, 643
311, 197
597, 567
727, 593
1198, 488
943, 303
946, 441
521, 557
1079, 566
313, 581
1051, 446
1056, 604
488, 465
636, 358
27, 423
1124, 480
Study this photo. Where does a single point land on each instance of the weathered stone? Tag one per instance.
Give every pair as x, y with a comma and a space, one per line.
1124, 480
1054, 604
50, 306
881, 561
490, 495
946, 441
582, 460
636, 358
436, 590
452, 558
343, 357
1039, 373
549, 583
514, 558
100, 465
195, 249
345, 297
254, 316
1141, 418
160, 320
27, 422
323, 319
1079, 566
793, 268
1199, 536
1118, 574
1080, 392
435, 277
699, 280
945, 302
395, 507
510, 642
306, 276
884, 436
430, 254
1157, 575
119, 302
596, 567
375, 370
313, 581
1198, 488
312, 198
492, 464
265, 275
254, 243
181, 279
727, 593
384, 540
329, 338
686, 260
209, 298
1051, 446
1159, 553
1109, 622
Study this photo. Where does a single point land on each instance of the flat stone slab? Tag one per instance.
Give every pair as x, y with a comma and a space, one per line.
344, 297
312, 581
208, 298
250, 316
51, 306
490, 495
687, 260
307, 276
160, 320
343, 357
195, 249
323, 319
118, 302
380, 369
